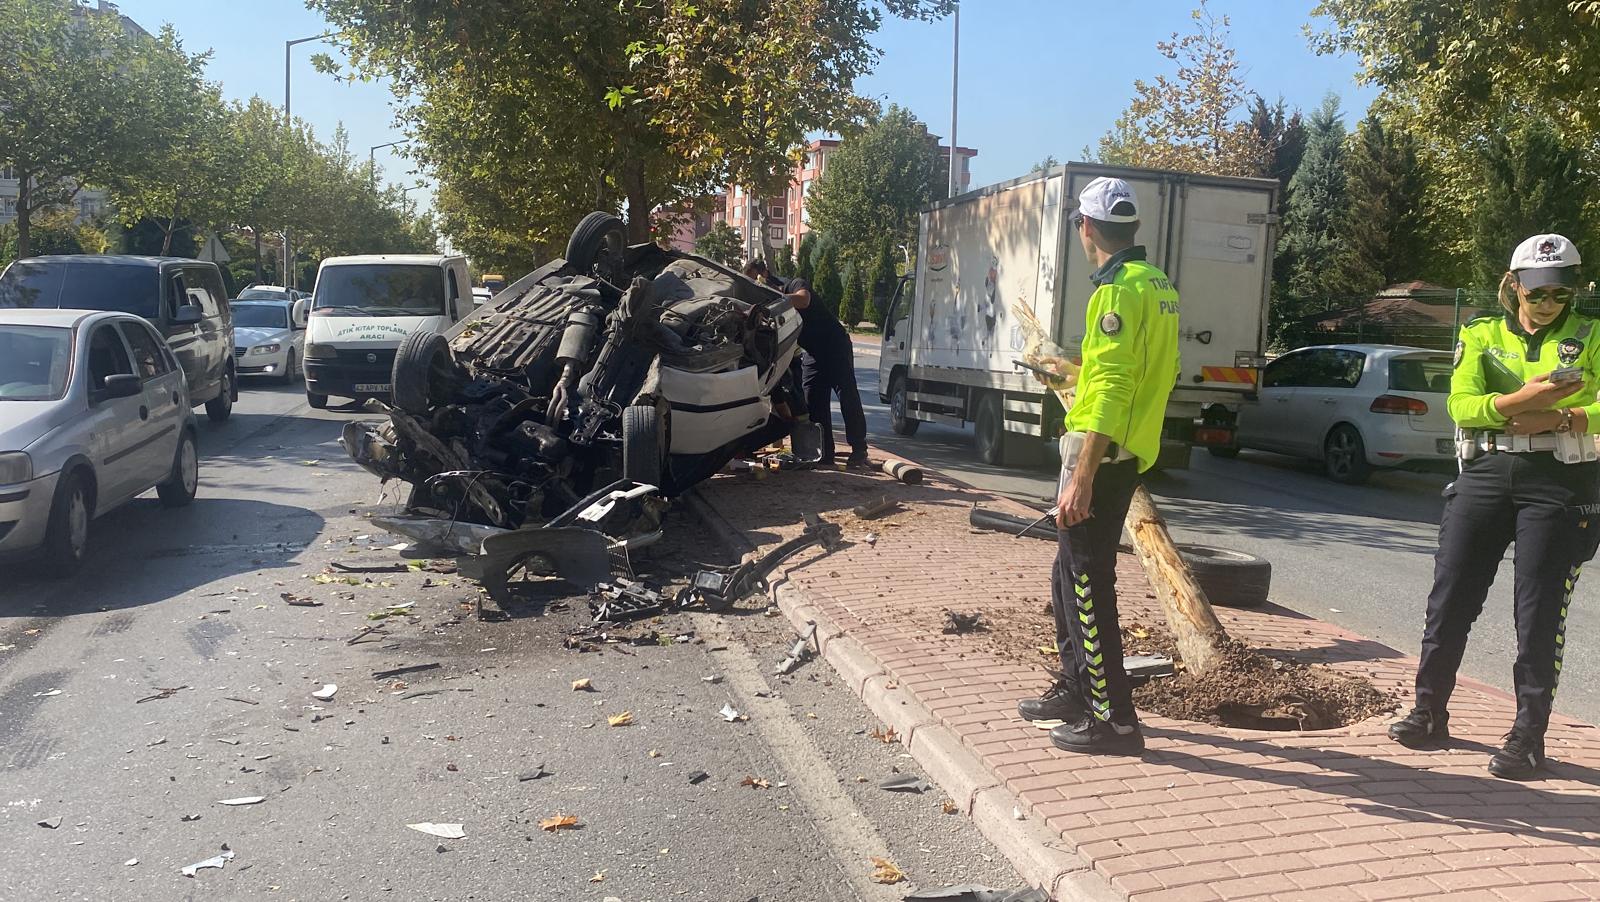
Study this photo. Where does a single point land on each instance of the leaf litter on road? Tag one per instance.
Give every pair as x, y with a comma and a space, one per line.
756, 782
886, 872
559, 822
620, 720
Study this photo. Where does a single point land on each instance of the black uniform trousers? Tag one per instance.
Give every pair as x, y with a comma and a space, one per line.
1083, 595
830, 370
1538, 502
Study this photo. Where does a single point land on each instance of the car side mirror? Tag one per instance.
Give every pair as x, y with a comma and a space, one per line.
123, 385
187, 315
297, 314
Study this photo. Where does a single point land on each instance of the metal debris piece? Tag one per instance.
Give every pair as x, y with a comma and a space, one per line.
905, 783
216, 861
910, 474
161, 693
1145, 667
751, 576
189, 818
326, 692
402, 671
443, 831
582, 557
996, 521
538, 772
698, 777
959, 622
968, 892
875, 508
49, 823
801, 651
438, 537
626, 599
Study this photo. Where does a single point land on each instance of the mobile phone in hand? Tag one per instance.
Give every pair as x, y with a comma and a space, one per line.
1567, 374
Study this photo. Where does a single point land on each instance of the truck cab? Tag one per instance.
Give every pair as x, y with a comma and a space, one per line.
363, 307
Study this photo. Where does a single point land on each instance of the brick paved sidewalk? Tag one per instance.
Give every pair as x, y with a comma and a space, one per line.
1208, 812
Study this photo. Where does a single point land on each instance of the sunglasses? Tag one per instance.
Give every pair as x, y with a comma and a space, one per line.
1077, 221
1555, 295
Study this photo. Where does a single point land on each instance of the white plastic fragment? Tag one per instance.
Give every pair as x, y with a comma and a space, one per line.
130, 862
216, 862
443, 831
326, 692
728, 713
243, 800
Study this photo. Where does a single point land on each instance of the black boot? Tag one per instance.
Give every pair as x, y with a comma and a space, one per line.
1521, 757
1421, 729
1099, 737
1059, 702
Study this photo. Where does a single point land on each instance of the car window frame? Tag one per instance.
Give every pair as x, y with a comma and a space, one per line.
159, 346
88, 349
1287, 363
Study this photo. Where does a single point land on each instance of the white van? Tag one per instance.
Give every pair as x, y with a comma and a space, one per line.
362, 308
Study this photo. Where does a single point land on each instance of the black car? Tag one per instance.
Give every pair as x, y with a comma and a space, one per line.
184, 299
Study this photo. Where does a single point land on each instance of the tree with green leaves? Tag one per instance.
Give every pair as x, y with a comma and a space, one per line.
1314, 240
881, 281
827, 280
1045, 165
783, 261
1195, 120
853, 302
722, 243
1386, 234
805, 257
1533, 183
874, 186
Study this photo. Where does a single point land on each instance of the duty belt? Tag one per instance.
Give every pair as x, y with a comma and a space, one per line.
1569, 448
1494, 441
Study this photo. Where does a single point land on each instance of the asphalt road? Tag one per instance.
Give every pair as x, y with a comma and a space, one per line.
1360, 557
171, 674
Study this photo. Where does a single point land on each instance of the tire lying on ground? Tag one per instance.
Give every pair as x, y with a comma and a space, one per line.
421, 358
1232, 579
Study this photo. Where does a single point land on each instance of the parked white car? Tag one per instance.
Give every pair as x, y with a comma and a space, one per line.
94, 410
1353, 407
269, 337
480, 296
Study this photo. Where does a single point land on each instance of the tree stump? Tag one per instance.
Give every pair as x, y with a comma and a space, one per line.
1188, 611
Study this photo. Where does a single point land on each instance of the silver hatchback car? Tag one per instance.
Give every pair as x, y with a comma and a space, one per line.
94, 410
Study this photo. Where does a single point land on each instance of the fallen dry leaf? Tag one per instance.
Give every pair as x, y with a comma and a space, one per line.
948, 807
599, 877
756, 782
558, 821
1051, 649
620, 720
885, 871
582, 685
885, 736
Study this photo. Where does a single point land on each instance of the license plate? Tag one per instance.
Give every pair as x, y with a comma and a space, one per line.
371, 386
1446, 446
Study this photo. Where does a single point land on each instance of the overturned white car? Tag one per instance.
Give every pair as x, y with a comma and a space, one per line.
617, 362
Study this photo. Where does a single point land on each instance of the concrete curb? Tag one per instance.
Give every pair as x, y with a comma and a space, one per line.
1035, 850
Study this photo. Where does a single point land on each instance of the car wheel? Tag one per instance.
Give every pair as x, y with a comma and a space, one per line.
218, 409
990, 426
291, 370
1224, 453
643, 444
1344, 456
589, 240
420, 366
180, 485
66, 537
319, 402
1232, 579
899, 408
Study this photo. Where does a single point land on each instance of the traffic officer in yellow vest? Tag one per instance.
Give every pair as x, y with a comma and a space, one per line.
1130, 363
1523, 398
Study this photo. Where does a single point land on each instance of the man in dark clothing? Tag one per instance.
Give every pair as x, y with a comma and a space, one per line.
827, 367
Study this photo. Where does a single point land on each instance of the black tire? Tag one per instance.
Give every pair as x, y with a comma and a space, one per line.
290, 370
218, 409
643, 444
178, 489
1344, 456
66, 537
421, 366
318, 402
1231, 579
589, 238
991, 430
1224, 453
900, 419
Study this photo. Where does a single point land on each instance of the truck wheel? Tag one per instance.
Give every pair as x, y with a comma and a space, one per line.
420, 367
899, 408
66, 536
179, 487
218, 409
589, 239
1344, 456
991, 429
643, 444
1232, 579
318, 402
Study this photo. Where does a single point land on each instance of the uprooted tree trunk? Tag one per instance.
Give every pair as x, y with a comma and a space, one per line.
1188, 611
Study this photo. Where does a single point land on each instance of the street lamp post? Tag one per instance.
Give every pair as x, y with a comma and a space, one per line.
372, 159
955, 83
288, 123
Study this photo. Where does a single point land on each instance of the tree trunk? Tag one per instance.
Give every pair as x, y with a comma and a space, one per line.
260, 276
1187, 609
24, 214
761, 250
638, 202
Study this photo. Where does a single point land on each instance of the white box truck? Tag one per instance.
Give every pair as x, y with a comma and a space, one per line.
950, 346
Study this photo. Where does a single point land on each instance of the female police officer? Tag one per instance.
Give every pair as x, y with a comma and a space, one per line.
1523, 396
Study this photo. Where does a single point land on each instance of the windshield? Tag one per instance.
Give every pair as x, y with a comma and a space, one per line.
265, 293
34, 361
260, 316
123, 287
1420, 374
381, 289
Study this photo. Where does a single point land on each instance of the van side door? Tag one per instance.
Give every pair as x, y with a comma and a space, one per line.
184, 339
216, 331
452, 284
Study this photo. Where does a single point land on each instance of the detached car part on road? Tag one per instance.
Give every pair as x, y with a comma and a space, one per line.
617, 362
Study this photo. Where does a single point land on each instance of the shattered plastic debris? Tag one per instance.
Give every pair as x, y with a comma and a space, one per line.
443, 831
800, 652
130, 862
559, 822
884, 871
905, 783
214, 862
731, 715
698, 777
536, 773
49, 823
47, 693
326, 692
967, 892
959, 622
243, 800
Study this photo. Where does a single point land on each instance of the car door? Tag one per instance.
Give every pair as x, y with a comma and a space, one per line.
216, 330
1266, 422
115, 427
163, 412
1328, 396
453, 292
186, 341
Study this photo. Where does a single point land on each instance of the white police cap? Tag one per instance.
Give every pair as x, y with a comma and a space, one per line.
1545, 260
1100, 199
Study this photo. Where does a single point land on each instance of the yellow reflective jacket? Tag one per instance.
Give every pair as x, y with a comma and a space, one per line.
1494, 356
1130, 356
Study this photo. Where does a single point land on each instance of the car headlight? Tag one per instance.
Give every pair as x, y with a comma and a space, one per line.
320, 352
266, 348
15, 467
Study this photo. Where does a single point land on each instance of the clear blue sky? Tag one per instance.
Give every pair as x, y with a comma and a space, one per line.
1038, 77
